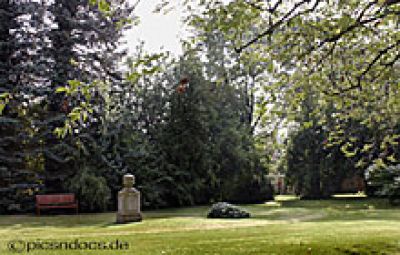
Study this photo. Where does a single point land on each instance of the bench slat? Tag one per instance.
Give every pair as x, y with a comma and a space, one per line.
55, 199
58, 206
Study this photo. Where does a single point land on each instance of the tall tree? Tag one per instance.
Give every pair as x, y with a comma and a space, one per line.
23, 77
45, 45
85, 50
244, 72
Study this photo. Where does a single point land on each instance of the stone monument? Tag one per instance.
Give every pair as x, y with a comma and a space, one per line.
128, 201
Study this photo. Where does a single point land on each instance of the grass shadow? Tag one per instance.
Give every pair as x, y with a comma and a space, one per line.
294, 209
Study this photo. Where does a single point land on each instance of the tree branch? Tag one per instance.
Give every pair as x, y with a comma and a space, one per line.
375, 60
274, 26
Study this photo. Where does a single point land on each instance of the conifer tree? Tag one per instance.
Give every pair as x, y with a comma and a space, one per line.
22, 79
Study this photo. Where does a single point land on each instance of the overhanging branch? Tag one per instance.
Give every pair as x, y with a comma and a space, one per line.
285, 18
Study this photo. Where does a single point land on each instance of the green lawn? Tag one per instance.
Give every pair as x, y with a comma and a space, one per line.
287, 226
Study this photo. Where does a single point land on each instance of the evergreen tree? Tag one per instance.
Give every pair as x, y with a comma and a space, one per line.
43, 46
315, 169
22, 79
85, 45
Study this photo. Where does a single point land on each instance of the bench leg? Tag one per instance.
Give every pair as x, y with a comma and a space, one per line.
37, 211
76, 209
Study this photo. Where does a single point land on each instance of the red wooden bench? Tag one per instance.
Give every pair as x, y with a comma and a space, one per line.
56, 201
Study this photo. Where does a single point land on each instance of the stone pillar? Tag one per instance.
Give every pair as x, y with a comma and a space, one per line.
128, 201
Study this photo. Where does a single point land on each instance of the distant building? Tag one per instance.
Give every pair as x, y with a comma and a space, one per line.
279, 184
352, 184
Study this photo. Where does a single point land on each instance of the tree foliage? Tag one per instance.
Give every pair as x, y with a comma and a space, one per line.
385, 181
45, 45
314, 169
347, 51
182, 136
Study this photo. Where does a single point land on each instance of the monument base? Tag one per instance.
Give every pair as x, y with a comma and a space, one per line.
128, 218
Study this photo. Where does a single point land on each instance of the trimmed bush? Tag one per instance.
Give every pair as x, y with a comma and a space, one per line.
226, 210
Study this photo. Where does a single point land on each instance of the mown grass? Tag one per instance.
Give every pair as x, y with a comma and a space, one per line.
343, 225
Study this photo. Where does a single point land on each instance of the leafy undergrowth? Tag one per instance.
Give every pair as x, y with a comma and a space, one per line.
286, 226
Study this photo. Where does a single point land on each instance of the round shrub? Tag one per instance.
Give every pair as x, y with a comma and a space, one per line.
226, 210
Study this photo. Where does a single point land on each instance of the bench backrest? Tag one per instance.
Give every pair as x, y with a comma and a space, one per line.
55, 199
